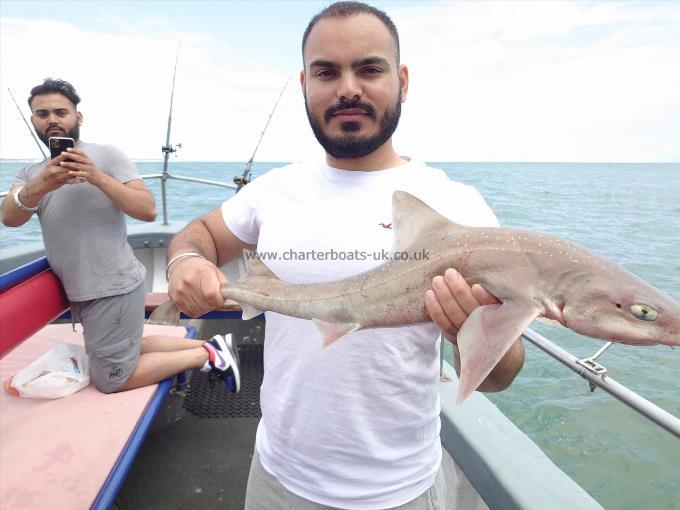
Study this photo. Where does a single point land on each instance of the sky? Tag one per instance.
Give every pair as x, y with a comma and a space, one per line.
489, 81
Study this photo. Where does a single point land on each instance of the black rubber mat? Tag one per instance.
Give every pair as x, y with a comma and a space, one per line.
212, 400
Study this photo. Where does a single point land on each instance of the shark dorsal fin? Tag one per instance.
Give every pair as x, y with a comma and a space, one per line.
411, 217
254, 266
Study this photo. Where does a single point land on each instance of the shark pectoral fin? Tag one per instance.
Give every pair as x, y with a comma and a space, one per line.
249, 312
332, 331
485, 337
165, 314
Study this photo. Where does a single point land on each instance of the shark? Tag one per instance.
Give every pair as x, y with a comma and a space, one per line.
533, 275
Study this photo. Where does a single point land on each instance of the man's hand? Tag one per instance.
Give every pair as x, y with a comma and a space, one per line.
51, 177
82, 168
194, 285
131, 197
450, 303
452, 300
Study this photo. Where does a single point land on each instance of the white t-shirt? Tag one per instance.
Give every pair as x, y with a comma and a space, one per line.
355, 425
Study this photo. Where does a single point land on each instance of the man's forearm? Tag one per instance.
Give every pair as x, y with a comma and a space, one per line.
53, 176
194, 238
136, 202
14, 216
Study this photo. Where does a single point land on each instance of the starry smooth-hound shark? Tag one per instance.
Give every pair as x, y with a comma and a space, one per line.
532, 274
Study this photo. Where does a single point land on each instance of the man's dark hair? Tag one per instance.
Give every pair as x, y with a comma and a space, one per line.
50, 86
347, 9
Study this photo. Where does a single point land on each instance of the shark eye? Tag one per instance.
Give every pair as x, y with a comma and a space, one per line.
643, 312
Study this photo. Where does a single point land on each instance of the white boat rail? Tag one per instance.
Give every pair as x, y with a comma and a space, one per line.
165, 176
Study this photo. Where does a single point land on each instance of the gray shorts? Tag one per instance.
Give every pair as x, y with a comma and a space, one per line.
265, 492
113, 328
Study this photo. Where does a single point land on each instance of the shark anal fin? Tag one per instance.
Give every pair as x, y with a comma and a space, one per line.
485, 337
332, 331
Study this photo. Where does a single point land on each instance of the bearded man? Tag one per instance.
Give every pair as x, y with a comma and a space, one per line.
356, 425
81, 197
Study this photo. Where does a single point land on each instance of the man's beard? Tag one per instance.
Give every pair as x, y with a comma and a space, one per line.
72, 133
348, 147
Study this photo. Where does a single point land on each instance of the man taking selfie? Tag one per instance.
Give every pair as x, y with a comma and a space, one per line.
81, 197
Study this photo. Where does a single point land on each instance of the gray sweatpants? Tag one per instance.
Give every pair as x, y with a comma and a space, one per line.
113, 328
265, 492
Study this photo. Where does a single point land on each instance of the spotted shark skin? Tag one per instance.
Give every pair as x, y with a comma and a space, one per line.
533, 275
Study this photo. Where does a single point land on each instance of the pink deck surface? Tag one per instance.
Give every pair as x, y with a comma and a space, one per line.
58, 453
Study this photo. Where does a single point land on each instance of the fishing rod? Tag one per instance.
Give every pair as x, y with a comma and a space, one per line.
244, 178
27, 124
167, 148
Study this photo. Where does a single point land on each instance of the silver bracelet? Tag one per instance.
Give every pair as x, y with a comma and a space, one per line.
21, 206
179, 256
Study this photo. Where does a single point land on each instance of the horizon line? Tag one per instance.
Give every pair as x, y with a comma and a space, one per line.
434, 162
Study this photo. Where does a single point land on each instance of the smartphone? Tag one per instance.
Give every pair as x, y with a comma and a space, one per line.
59, 144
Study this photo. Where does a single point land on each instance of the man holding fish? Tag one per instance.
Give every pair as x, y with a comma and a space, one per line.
354, 425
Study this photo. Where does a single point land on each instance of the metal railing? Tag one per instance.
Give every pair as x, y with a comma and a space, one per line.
597, 376
165, 176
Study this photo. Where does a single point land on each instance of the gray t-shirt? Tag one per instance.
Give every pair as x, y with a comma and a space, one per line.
85, 233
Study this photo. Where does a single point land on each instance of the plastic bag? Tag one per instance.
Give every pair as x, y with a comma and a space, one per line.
61, 371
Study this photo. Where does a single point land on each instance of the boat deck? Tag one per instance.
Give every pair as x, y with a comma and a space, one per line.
190, 462
198, 452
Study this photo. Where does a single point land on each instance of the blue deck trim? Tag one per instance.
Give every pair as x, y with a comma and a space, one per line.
214, 315
21, 273
117, 476
222, 315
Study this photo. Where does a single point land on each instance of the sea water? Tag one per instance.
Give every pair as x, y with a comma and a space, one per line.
627, 212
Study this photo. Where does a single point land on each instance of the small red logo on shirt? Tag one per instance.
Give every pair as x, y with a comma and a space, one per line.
389, 225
